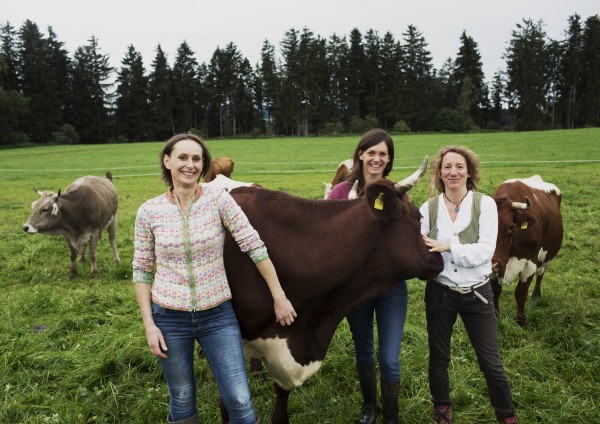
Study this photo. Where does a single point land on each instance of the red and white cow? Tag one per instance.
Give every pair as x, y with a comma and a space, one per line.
330, 256
80, 214
219, 166
530, 232
340, 175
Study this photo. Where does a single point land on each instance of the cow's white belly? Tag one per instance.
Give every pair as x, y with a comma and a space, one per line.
524, 268
279, 362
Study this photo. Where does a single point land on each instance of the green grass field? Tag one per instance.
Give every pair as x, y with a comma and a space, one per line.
74, 351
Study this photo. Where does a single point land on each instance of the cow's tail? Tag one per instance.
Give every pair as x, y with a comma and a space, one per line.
109, 175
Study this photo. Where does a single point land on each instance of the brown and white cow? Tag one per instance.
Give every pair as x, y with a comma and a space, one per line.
330, 256
224, 183
530, 232
219, 166
340, 175
80, 214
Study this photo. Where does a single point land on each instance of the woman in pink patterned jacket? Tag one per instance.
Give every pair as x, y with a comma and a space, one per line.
181, 285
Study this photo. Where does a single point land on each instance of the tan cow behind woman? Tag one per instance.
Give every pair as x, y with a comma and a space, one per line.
219, 166
80, 214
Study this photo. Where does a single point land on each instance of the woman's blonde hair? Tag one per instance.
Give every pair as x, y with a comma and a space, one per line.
435, 179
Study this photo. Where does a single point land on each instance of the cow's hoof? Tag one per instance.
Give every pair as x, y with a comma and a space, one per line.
72, 276
95, 274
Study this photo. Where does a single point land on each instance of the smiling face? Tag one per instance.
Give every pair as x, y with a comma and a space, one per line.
184, 163
454, 172
374, 160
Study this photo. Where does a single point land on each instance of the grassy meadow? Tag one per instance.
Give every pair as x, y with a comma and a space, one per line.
74, 351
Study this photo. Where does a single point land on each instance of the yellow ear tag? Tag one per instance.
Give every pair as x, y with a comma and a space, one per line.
524, 225
379, 202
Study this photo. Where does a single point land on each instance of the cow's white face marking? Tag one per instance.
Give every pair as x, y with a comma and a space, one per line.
537, 183
524, 268
279, 362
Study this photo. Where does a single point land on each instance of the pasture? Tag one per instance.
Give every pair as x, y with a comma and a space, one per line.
74, 351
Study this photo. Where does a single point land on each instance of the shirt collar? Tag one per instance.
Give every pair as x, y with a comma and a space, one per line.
171, 196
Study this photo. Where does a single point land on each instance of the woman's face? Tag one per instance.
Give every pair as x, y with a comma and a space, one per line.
454, 171
185, 163
374, 160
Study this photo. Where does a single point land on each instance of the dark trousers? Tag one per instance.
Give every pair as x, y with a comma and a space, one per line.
442, 307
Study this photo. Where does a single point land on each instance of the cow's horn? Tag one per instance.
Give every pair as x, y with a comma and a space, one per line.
409, 182
41, 193
353, 191
521, 205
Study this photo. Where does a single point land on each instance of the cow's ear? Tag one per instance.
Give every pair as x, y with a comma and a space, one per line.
525, 220
55, 208
383, 200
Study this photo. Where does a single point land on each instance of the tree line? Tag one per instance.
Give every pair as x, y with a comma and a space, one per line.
312, 86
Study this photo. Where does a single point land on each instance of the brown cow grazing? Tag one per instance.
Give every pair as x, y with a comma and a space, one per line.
340, 175
330, 256
219, 166
530, 232
88, 206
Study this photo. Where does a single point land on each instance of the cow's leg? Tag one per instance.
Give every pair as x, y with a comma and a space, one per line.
521, 293
73, 256
112, 237
256, 366
497, 290
280, 413
93, 246
537, 290
82, 253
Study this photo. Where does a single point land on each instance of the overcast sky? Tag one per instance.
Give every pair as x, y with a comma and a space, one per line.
206, 25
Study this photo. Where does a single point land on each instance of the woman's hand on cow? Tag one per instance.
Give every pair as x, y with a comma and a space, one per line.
156, 341
284, 311
436, 245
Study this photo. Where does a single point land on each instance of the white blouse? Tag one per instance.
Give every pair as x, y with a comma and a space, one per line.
466, 264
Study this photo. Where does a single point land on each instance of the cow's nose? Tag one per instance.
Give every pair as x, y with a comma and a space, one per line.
25, 227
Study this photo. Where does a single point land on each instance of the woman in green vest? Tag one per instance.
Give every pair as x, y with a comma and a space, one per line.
462, 225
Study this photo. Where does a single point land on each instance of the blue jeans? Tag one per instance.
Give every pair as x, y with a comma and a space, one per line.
218, 333
390, 311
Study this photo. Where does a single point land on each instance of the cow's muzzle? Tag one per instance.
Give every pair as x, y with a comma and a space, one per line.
29, 229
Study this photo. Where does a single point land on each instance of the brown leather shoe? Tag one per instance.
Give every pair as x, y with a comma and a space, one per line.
442, 414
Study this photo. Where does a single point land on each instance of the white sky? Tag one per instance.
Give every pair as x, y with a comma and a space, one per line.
206, 25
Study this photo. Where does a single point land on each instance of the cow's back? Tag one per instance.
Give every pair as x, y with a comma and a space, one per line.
94, 198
